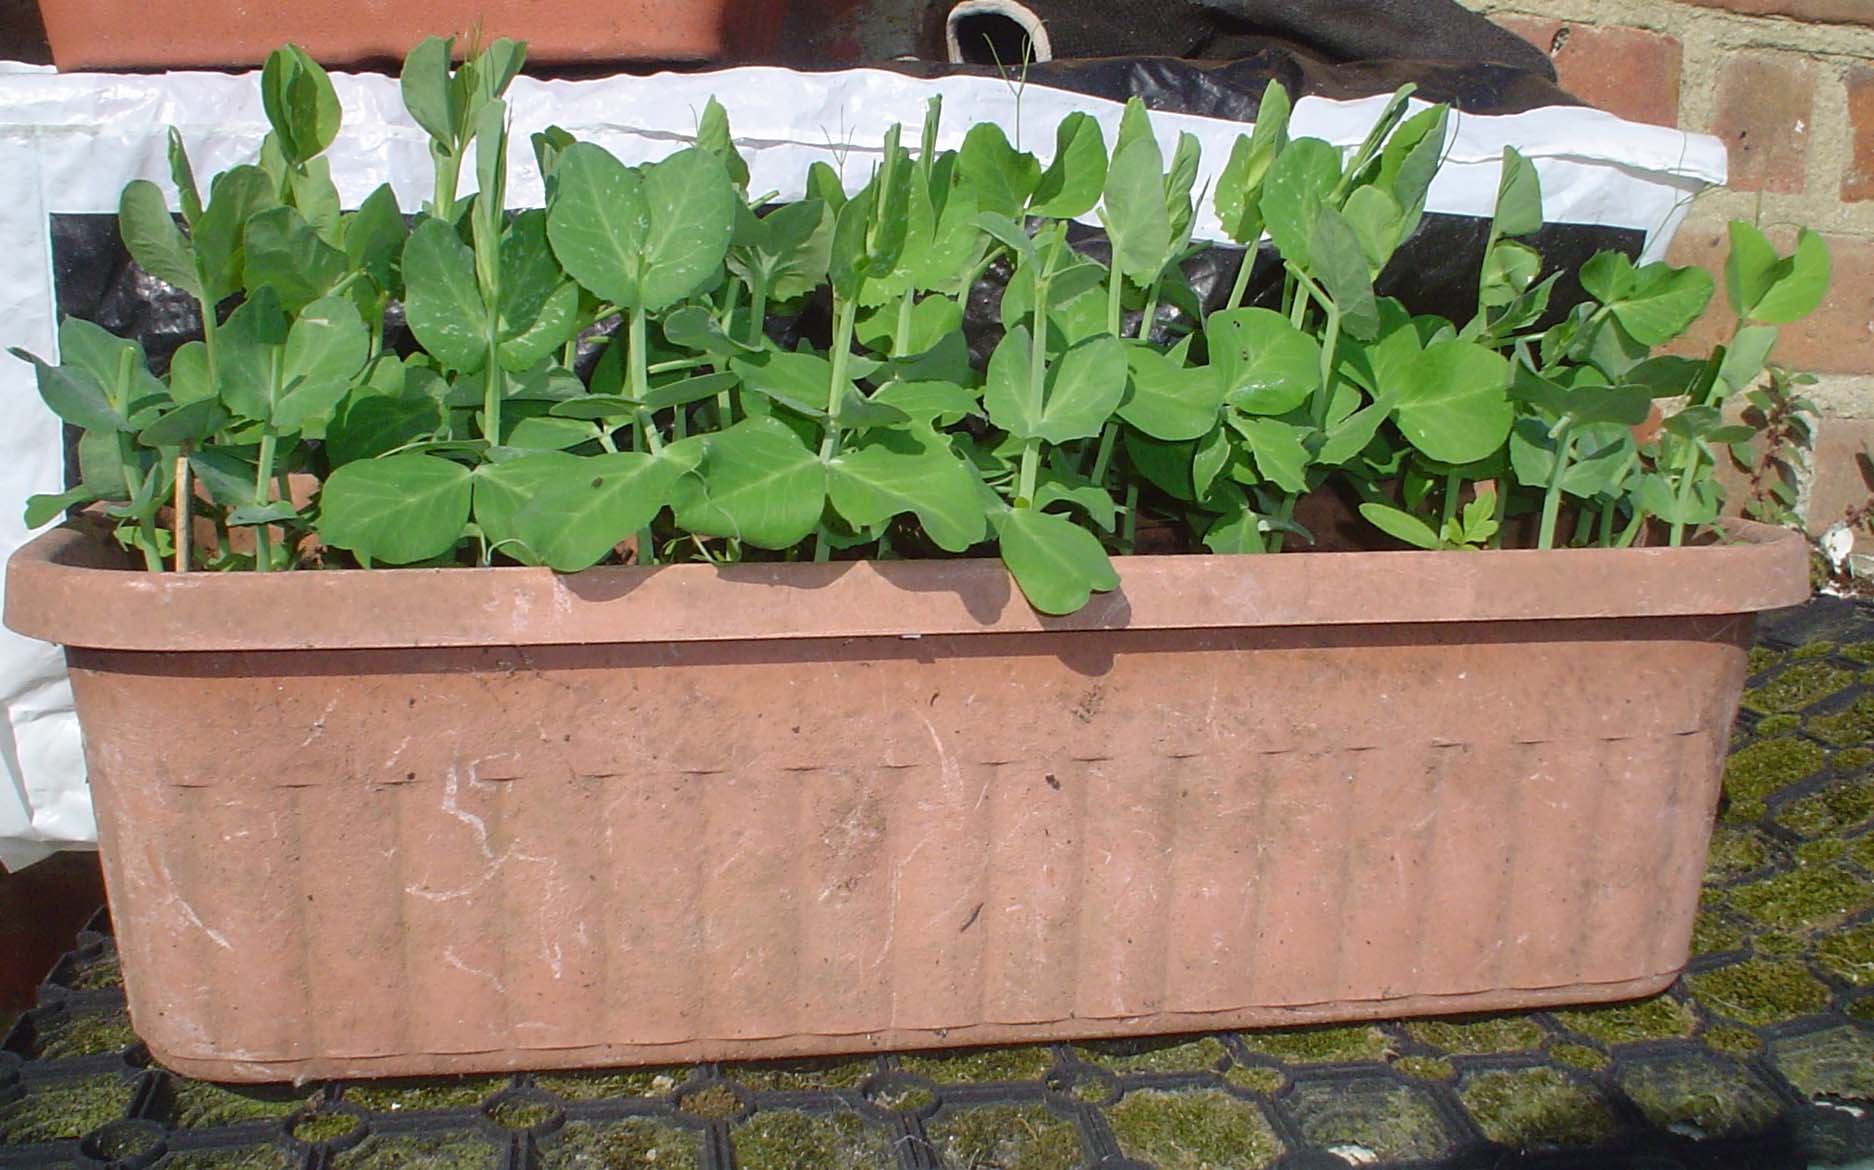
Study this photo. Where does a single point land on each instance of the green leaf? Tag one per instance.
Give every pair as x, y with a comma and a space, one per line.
1800, 282
1084, 389
326, 347
1214, 454
1279, 448
1056, 563
153, 239
1294, 192
857, 412
500, 490
183, 176
1074, 179
397, 509
313, 193
1607, 276
188, 373
1349, 436
286, 254
712, 135
1134, 213
1340, 263
1453, 404
1376, 221
1401, 525
1661, 302
692, 327
300, 103
44, 508
799, 381
189, 423
271, 512
1170, 400
692, 205
1075, 492
374, 237
1000, 177
910, 470
235, 196
1519, 196
425, 87
683, 391
577, 517
599, 222
375, 424
74, 396
757, 482
940, 403
1745, 358
1749, 270
1239, 186
443, 301
553, 324
1267, 366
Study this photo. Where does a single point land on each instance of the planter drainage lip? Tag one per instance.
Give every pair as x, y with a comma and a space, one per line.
67, 587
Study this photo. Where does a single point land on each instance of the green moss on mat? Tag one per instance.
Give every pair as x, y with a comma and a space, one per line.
520, 1113
638, 1143
1425, 1068
1861, 852
1390, 1119
1004, 1137
1736, 851
1528, 1107
1202, 1129
1862, 652
1713, 932
1762, 658
200, 1104
1807, 896
1730, 1041
1478, 1037
1853, 726
1812, 650
410, 1096
1849, 954
1759, 991
1796, 686
1255, 1078
64, 1109
716, 1102
980, 1066
810, 1141
907, 1098
1837, 1062
1318, 1045
1777, 725
1776, 944
1154, 1054
98, 975
1852, 761
323, 1127
1843, 804
792, 1076
1759, 769
1659, 1018
1861, 1009
455, 1152
1717, 1097
1578, 1056
246, 1158
86, 1034
596, 1086
1826, 851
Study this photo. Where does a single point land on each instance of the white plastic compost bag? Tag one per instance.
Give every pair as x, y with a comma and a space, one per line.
69, 143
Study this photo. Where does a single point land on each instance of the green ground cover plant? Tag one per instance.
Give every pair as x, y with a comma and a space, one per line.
600, 380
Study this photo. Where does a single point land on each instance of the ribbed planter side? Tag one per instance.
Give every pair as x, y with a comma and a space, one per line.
375, 861
117, 34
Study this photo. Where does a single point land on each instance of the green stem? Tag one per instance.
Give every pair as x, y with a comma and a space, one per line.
845, 321
263, 483
1552, 499
1037, 402
1452, 484
1285, 513
901, 336
1109, 434
1688, 478
1497, 513
1240, 286
1129, 527
637, 370
1150, 313
448, 174
1115, 311
1330, 340
757, 309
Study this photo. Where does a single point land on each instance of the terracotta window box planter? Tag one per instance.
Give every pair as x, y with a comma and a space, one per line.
424, 821
181, 34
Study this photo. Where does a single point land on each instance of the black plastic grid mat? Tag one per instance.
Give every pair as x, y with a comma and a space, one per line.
1761, 1056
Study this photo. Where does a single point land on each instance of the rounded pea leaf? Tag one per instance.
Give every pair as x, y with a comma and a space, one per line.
692, 216
1294, 192
1660, 302
909, 470
757, 481
1074, 179
1170, 400
598, 221
74, 395
582, 512
325, 349
1135, 214
153, 239
1453, 404
442, 301
398, 509
300, 103
1798, 283
1267, 366
1056, 563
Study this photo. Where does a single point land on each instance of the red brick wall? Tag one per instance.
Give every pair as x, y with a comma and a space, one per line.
1788, 86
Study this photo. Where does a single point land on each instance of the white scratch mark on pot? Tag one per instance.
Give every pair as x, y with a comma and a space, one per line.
454, 960
318, 725
179, 902
391, 761
452, 787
